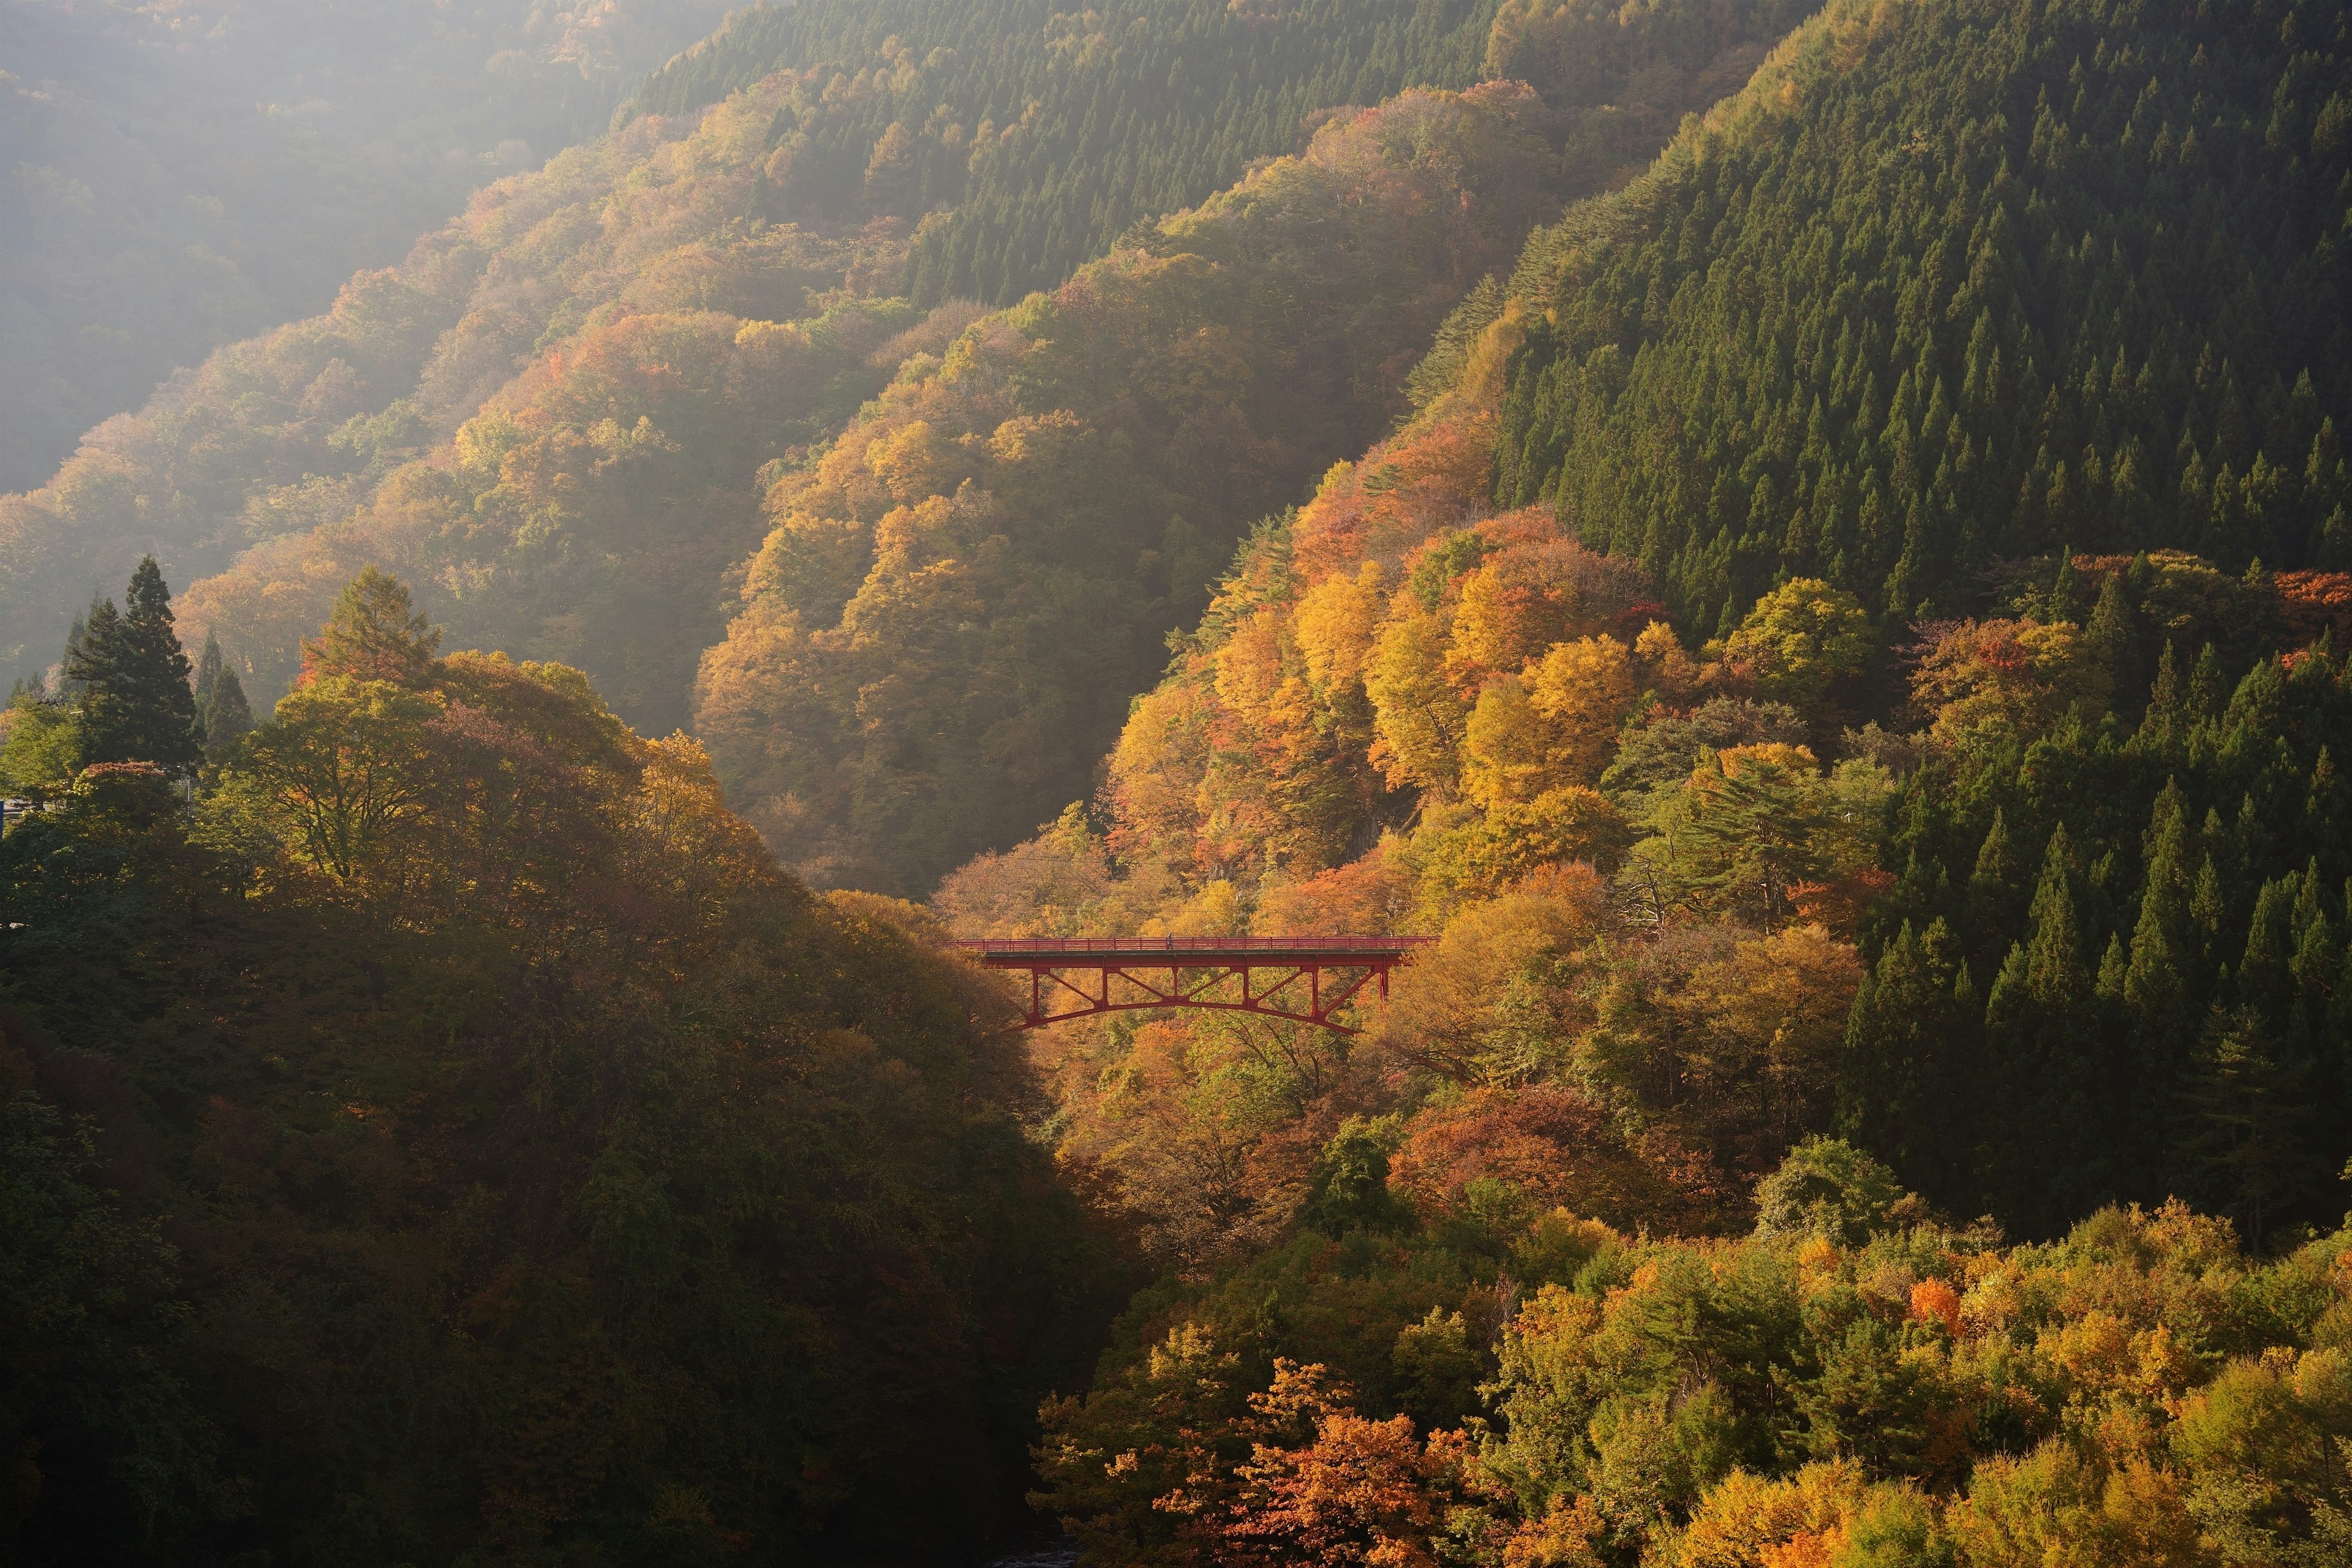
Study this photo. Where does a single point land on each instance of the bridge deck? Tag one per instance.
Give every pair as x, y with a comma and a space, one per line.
1189, 951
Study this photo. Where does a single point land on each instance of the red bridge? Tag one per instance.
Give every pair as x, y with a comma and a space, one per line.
1304, 979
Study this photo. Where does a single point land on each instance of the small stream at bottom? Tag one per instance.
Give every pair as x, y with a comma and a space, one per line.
1046, 1547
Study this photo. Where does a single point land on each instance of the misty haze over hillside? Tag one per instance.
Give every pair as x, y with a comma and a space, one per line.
173, 176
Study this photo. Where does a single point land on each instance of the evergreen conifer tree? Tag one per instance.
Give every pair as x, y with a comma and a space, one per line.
2265, 973
1991, 909
1895, 1092
2315, 943
2113, 965
2113, 640
2207, 689
208, 668
2041, 1038
76, 634
375, 634
2160, 727
2244, 1114
230, 716
2055, 960
221, 708
135, 698
2156, 986
2207, 912
90, 646
2064, 600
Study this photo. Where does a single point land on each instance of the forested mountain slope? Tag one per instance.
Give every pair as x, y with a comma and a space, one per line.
554, 416
1101, 117
497, 1157
483, 293
1881, 1089
1980, 282
1809, 929
620, 276
181, 175
2093, 825
958, 598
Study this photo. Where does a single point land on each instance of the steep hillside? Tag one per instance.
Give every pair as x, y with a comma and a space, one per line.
181, 175
497, 1157
493, 293
1749, 917
1036, 134
616, 282
1970, 283
614, 286
957, 599
2078, 842
1879, 1091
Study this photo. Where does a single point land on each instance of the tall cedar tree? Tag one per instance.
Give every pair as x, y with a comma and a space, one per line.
137, 706
67, 687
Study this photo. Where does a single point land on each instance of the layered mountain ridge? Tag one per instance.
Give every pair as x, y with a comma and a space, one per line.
1878, 1088
553, 419
182, 175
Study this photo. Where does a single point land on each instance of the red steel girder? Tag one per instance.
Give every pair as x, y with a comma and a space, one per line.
1199, 971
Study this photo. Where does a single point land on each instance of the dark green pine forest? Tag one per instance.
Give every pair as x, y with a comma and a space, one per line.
1805, 550
2066, 277
2109, 940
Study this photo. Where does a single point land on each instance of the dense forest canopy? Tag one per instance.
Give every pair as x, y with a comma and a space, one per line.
182, 175
1845, 1386
553, 417
1975, 283
957, 599
1819, 924
453, 1136
425, 344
